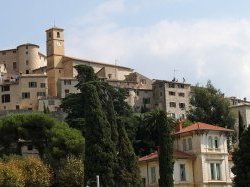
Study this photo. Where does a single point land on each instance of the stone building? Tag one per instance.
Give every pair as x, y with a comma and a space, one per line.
172, 96
201, 158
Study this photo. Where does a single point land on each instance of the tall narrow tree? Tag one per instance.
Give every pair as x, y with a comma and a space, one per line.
241, 125
100, 150
160, 127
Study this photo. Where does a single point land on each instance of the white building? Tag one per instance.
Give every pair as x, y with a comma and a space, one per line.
201, 158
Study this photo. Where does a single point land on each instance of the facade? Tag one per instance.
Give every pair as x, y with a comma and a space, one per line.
171, 96
201, 158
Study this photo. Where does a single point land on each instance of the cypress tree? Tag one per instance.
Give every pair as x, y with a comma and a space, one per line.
100, 150
128, 172
165, 151
241, 125
241, 161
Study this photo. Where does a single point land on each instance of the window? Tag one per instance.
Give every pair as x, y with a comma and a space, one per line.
190, 146
182, 172
27, 72
25, 95
42, 85
216, 143
14, 65
30, 147
182, 105
172, 104
66, 92
171, 93
49, 34
146, 100
14, 51
27, 62
215, 171
3, 53
180, 85
153, 175
143, 81
210, 142
51, 102
67, 82
171, 85
27, 52
184, 144
5, 88
41, 94
58, 34
27, 47
6, 98
32, 84
181, 94
110, 75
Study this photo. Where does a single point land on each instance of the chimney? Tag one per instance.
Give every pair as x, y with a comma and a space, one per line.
245, 99
178, 126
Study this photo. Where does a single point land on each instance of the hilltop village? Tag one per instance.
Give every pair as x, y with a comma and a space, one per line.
33, 81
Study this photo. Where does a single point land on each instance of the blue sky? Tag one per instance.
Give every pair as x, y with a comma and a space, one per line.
201, 39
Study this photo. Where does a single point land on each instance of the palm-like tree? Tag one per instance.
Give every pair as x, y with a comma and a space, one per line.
159, 126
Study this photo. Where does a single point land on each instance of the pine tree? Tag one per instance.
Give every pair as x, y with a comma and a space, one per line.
241, 161
100, 150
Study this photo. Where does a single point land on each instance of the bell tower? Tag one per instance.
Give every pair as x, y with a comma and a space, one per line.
55, 53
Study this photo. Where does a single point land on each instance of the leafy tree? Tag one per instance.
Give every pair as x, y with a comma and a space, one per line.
24, 171
71, 172
160, 127
241, 160
210, 106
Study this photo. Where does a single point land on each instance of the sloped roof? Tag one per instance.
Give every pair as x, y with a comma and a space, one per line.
176, 154
202, 126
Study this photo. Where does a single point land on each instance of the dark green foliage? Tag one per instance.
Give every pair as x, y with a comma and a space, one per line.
210, 106
160, 126
100, 150
241, 125
241, 161
35, 127
85, 74
128, 172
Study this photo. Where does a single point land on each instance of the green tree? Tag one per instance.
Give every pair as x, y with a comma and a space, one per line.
128, 172
100, 150
71, 172
160, 127
241, 168
241, 125
210, 106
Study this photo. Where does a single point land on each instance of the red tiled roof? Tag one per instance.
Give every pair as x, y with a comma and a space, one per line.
201, 126
176, 154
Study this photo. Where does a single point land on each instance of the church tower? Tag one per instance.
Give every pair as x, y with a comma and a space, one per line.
55, 53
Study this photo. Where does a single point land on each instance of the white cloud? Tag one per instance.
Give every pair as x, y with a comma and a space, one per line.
200, 49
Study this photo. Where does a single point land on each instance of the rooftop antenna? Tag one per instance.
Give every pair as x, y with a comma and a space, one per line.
116, 68
174, 79
54, 22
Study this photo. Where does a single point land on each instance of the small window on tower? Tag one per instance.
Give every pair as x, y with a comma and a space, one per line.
58, 34
49, 34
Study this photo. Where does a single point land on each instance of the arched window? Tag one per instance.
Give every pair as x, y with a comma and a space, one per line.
216, 142
210, 142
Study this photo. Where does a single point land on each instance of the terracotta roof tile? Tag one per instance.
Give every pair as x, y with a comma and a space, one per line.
176, 154
201, 126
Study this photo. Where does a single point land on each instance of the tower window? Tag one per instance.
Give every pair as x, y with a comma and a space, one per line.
58, 34
14, 65
49, 34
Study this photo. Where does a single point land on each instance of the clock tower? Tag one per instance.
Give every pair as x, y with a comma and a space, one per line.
55, 53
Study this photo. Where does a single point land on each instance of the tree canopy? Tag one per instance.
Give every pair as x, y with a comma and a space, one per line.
210, 106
